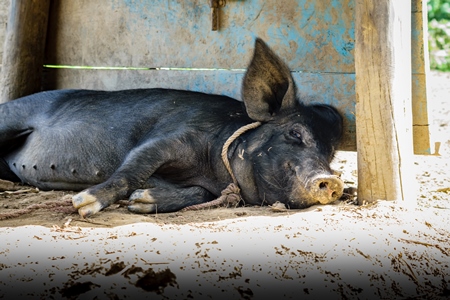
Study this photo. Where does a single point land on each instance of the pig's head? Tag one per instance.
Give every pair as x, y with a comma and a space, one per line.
287, 158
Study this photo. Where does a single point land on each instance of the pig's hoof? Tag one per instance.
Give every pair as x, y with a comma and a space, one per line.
350, 195
142, 208
86, 204
143, 196
142, 202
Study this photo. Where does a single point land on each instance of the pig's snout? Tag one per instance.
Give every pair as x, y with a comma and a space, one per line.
326, 188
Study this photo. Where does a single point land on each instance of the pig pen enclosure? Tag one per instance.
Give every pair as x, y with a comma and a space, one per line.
381, 249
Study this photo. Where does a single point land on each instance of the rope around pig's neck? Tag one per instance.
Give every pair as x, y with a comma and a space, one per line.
231, 194
230, 140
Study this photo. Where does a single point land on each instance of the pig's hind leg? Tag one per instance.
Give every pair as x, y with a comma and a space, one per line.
6, 173
166, 197
12, 136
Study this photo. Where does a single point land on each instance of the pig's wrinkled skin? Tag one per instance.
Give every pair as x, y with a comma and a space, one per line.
161, 148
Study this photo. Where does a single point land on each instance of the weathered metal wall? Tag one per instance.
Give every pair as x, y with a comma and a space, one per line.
4, 9
316, 38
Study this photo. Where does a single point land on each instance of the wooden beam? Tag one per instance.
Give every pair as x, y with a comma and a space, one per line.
383, 100
420, 70
24, 49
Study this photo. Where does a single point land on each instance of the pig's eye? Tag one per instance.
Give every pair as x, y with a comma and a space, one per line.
296, 134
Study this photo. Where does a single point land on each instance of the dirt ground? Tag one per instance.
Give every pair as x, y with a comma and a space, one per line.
383, 250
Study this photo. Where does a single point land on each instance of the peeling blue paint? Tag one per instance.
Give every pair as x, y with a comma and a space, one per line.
315, 38
317, 26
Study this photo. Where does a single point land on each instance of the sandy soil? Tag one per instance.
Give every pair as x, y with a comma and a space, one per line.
384, 250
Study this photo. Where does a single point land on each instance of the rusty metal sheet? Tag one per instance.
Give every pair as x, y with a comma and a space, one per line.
313, 36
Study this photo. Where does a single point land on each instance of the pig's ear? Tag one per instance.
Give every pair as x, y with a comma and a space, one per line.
268, 87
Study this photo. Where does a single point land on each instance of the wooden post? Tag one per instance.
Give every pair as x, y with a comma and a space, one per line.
24, 49
383, 100
420, 70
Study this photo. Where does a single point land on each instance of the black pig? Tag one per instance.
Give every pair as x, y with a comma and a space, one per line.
161, 148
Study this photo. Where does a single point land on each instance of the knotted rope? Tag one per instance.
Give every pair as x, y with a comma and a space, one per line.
231, 194
63, 205
230, 140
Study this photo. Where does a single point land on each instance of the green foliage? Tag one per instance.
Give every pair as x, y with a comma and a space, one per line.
438, 10
439, 34
439, 44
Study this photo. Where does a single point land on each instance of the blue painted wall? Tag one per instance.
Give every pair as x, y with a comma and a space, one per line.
315, 38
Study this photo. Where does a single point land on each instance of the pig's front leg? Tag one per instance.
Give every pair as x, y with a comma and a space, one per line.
165, 197
133, 174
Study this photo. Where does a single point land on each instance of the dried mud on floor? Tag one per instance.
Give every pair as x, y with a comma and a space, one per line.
384, 250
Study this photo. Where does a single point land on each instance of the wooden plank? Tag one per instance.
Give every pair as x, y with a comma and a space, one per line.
420, 70
383, 100
313, 36
335, 89
24, 49
4, 9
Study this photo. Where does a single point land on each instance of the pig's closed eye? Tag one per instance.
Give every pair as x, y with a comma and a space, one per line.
296, 134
